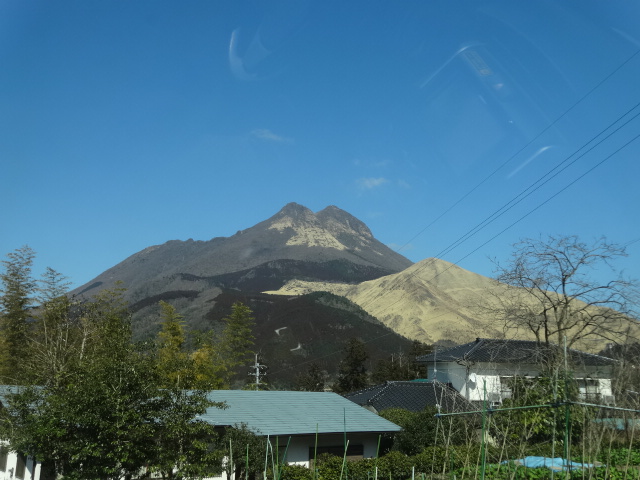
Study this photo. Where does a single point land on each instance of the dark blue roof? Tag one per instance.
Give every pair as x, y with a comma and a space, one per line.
513, 351
411, 395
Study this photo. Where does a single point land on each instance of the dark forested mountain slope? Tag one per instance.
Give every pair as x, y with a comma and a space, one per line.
293, 332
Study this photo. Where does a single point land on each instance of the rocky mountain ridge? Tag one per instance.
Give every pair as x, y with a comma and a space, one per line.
295, 243
294, 233
433, 300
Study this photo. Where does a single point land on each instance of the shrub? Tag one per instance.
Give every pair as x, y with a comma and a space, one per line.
394, 465
295, 472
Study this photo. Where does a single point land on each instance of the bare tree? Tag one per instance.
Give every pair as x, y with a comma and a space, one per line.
553, 291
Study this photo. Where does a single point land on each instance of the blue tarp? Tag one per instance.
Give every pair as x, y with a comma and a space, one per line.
556, 464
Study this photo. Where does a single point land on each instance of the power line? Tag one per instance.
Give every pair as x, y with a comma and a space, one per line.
543, 180
552, 197
490, 220
544, 130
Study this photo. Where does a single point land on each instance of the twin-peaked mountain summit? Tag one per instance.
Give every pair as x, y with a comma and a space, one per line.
295, 254
295, 243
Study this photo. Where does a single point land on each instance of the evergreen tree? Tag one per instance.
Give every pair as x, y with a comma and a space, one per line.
235, 344
237, 336
313, 380
16, 290
175, 365
218, 357
352, 372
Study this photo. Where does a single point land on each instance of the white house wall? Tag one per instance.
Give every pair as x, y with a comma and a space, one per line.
605, 386
482, 387
451, 373
31, 471
480, 379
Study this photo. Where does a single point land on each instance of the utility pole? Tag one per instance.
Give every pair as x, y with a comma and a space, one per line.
257, 372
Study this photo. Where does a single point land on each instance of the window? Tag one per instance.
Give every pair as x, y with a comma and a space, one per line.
505, 387
4, 453
589, 388
516, 385
21, 465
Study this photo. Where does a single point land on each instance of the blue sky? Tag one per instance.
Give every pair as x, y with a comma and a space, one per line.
125, 124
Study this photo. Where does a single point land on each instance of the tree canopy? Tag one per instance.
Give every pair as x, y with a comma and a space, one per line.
566, 287
17, 287
94, 404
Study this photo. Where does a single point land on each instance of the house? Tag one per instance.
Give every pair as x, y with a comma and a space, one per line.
485, 367
414, 395
15, 464
295, 418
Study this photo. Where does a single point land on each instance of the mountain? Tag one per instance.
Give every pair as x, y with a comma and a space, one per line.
313, 280
295, 243
431, 301
437, 301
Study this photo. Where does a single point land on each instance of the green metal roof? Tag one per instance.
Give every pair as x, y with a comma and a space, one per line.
293, 413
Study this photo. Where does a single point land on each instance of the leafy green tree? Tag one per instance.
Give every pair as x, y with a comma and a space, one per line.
244, 452
352, 372
183, 443
424, 429
209, 368
16, 299
111, 412
55, 342
98, 421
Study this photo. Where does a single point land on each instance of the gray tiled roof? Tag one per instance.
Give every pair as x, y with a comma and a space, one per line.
411, 395
512, 351
293, 413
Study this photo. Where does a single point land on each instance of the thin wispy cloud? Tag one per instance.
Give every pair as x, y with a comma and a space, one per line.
370, 183
268, 135
235, 60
